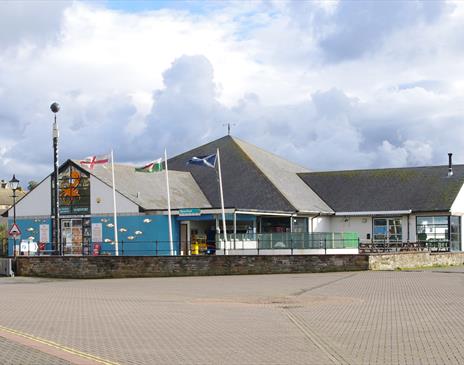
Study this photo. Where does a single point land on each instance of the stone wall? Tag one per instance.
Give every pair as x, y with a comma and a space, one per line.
92, 267
411, 260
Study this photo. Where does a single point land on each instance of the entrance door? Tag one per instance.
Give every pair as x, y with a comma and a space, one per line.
184, 239
388, 229
71, 236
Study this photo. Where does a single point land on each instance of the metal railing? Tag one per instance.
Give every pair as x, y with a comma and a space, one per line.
292, 241
259, 244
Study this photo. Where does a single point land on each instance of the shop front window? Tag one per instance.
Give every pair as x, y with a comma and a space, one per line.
275, 224
387, 229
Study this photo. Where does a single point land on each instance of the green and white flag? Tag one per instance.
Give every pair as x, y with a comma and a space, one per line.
153, 166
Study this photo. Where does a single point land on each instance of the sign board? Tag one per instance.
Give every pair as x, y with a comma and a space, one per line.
97, 232
191, 211
44, 233
28, 248
14, 231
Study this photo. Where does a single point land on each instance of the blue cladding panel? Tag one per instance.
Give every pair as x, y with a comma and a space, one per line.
25, 226
154, 237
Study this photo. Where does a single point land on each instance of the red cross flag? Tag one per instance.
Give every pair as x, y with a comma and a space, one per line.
91, 161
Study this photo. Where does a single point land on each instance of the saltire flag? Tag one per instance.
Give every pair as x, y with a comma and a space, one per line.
153, 166
206, 161
91, 161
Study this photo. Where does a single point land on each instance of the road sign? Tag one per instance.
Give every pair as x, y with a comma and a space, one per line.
14, 231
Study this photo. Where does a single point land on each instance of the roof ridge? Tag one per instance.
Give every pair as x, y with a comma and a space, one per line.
270, 153
380, 169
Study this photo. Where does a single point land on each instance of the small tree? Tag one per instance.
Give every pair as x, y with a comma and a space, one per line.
3, 231
31, 185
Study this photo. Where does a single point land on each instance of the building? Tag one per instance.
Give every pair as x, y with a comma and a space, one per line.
270, 203
394, 205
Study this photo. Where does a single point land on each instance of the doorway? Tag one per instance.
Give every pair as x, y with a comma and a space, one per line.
71, 236
387, 229
184, 238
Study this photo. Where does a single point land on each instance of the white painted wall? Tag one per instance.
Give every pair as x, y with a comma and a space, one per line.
457, 208
361, 225
37, 202
412, 228
99, 191
321, 224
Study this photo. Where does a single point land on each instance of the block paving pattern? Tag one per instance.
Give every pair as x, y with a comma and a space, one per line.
12, 353
396, 317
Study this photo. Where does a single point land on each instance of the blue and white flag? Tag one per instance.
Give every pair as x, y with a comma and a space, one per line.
205, 161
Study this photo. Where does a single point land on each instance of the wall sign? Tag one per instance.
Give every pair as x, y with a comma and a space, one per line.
191, 211
44, 233
97, 232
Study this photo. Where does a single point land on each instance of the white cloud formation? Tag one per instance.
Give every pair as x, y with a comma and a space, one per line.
330, 85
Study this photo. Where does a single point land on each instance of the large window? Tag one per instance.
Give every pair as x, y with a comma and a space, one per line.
388, 229
432, 228
440, 229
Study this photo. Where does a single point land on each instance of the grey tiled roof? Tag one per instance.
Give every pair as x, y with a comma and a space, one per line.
252, 178
148, 190
417, 188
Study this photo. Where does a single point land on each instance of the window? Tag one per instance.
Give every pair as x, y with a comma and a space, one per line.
433, 228
440, 228
388, 229
300, 225
455, 233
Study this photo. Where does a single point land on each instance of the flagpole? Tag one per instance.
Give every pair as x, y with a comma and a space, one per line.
222, 203
116, 245
171, 246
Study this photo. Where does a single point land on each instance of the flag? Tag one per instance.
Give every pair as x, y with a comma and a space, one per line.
206, 161
91, 161
153, 166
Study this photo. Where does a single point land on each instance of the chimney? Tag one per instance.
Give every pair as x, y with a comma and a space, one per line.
450, 164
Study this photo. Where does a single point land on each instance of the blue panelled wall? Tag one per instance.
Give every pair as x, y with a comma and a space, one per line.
143, 235
137, 234
30, 228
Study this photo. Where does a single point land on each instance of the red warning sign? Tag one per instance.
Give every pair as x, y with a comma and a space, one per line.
14, 231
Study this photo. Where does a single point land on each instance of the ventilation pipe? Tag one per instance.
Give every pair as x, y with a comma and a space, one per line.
450, 164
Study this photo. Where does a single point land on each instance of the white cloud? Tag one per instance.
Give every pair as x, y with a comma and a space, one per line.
328, 85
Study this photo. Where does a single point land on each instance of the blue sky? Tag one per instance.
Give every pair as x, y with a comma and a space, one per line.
136, 6
327, 84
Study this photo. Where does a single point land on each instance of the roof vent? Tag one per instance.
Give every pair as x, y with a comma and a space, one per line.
450, 164
138, 194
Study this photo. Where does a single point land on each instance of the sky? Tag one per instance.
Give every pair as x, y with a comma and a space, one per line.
329, 85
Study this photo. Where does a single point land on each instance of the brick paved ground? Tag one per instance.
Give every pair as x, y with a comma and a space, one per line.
13, 353
333, 318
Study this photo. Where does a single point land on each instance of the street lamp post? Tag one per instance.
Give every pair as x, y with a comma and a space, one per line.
55, 107
14, 184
